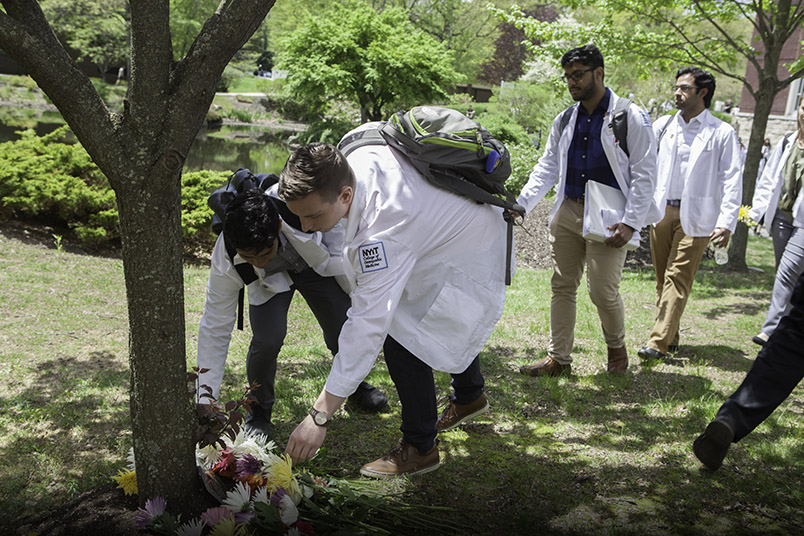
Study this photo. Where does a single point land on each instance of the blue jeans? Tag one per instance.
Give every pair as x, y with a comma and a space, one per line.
414, 383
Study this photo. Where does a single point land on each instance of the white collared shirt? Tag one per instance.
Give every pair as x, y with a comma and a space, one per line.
686, 135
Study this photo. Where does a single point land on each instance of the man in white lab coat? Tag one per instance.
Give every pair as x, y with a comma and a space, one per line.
699, 190
429, 269
587, 150
283, 260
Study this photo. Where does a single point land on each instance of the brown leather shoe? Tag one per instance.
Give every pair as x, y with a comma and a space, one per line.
403, 459
456, 414
618, 359
545, 367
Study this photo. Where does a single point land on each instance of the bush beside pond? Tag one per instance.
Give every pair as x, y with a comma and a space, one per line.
46, 179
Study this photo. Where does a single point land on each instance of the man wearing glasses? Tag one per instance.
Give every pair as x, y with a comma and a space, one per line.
699, 189
588, 150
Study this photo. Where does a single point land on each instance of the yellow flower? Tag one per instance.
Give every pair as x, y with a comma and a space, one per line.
126, 480
280, 475
744, 217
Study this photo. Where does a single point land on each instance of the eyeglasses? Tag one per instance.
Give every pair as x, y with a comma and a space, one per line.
576, 75
683, 89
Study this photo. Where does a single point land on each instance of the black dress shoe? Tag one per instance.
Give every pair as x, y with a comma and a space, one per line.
368, 397
711, 446
649, 353
258, 425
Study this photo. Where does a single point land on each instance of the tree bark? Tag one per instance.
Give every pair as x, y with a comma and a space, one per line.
141, 152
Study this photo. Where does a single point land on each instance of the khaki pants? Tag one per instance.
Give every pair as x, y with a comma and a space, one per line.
676, 257
605, 266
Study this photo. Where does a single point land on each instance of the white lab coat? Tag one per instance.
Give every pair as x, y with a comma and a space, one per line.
429, 269
769, 188
635, 174
713, 187
322, 252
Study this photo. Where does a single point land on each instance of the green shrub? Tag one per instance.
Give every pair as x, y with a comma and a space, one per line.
329, 130
504, 128
523, 158
44, 178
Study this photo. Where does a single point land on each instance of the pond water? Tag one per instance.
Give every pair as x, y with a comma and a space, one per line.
227, 148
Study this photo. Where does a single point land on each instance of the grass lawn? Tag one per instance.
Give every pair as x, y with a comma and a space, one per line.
585, 454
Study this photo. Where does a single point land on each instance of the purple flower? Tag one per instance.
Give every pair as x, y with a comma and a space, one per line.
243, 517
248, 465
214, 515
153, 508
276, 497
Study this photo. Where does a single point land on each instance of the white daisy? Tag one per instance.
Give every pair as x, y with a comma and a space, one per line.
239, 498
207, 456
130, 459
261, 495
191, 528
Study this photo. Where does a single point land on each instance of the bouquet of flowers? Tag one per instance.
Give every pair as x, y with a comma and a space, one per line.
260, 493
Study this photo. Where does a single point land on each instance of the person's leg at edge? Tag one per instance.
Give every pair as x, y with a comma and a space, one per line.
779, 367
790, 268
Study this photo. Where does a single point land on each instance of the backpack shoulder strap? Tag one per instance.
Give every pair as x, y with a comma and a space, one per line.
564, 119
361, 138
246, 273
619, 122
663, 130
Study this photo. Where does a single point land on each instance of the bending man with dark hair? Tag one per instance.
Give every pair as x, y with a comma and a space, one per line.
284, 259
778, 368
429, 270
698, 191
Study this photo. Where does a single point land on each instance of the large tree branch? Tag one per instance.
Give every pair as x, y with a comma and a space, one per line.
27, 37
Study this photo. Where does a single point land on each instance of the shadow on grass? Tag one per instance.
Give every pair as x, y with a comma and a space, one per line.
55, 420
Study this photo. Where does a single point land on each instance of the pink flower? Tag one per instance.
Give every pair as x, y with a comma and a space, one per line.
153, 508
215, 515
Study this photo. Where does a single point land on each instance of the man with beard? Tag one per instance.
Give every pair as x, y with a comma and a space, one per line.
587, 149
699, 189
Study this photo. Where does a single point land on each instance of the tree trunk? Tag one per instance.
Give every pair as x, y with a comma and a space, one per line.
763, 99
162, 412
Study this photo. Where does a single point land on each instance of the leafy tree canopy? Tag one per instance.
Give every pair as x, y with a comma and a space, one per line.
377, 60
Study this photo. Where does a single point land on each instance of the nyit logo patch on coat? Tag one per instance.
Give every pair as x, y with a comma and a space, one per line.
372, 257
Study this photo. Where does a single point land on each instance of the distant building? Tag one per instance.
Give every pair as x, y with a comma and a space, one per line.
783, 111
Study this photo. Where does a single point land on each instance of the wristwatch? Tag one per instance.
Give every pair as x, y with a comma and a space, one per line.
321, 418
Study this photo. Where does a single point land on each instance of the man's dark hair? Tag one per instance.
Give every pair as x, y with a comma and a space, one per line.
251, 221
315, 168
703, 79
588, 55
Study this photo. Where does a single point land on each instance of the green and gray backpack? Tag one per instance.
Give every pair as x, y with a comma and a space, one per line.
452, 152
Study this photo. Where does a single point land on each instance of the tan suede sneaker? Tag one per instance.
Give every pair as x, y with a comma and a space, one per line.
403, 459
456, 414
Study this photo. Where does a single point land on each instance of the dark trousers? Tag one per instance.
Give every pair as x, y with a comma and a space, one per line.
416, 388
778, 368
269, 324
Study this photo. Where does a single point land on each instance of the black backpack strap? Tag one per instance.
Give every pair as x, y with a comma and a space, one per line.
564, 119
361, 138
246, 273
619, 123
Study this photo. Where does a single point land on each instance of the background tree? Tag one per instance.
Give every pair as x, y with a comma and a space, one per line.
141, 152
508, 60
376, 60
661, 35
95, 30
